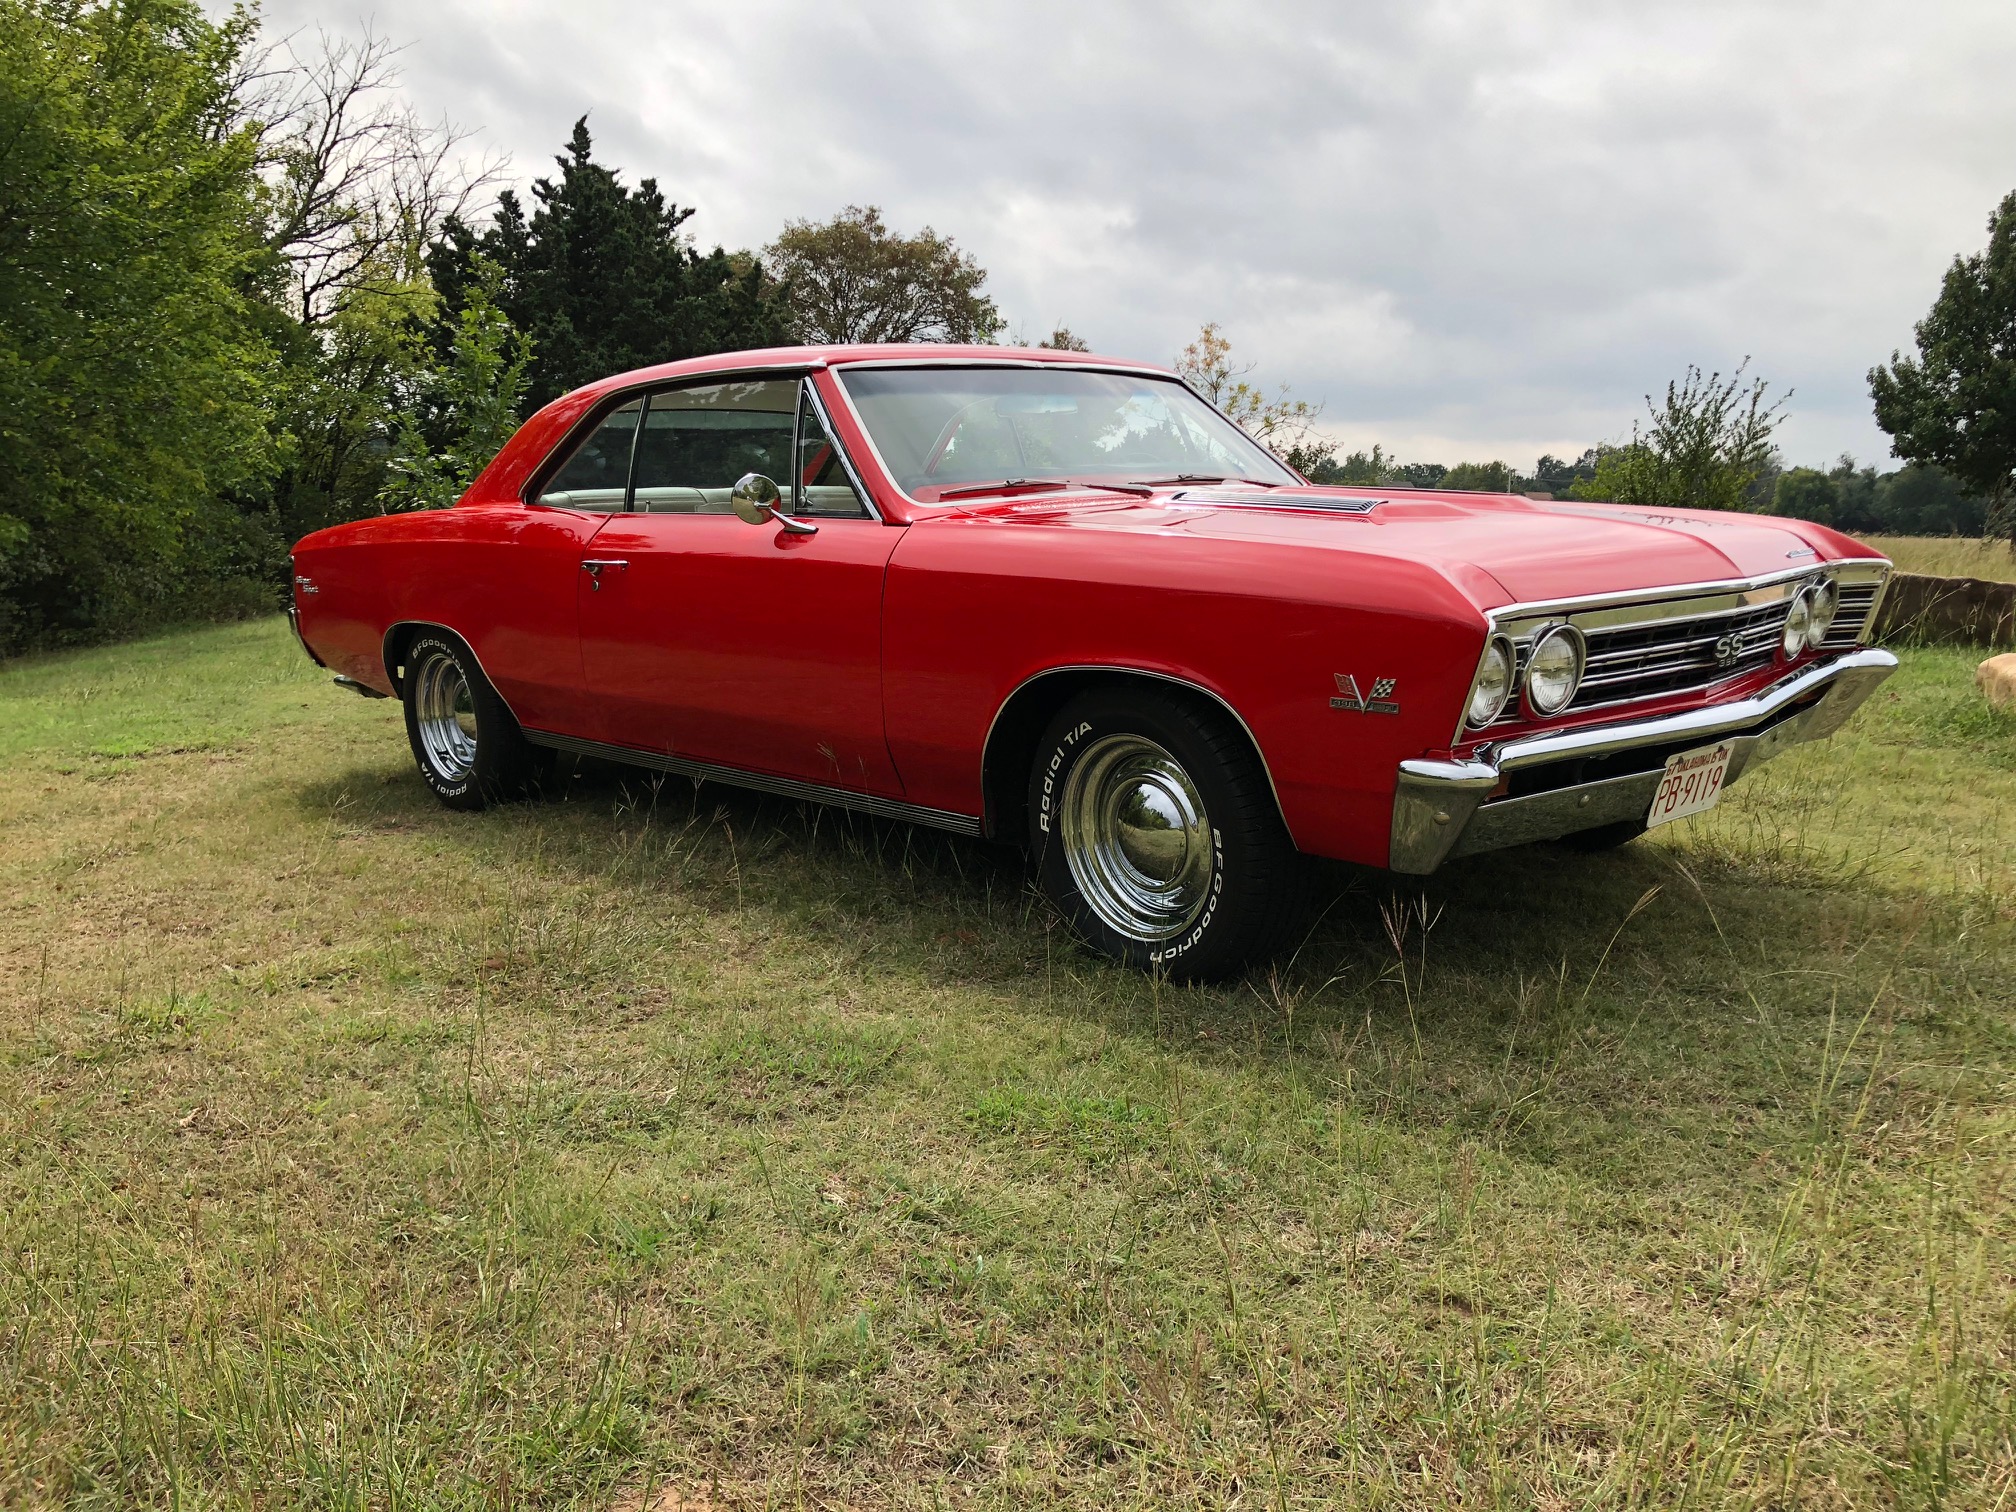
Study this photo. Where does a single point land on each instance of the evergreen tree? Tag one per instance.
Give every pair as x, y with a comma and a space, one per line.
601, 278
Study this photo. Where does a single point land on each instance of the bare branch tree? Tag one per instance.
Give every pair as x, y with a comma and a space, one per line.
357, 182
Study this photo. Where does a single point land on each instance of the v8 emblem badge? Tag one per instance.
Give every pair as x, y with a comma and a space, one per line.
1379, 700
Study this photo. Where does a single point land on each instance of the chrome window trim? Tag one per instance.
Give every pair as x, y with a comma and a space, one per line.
607, 405
840, 449
1143, 368
781, 787
840, 371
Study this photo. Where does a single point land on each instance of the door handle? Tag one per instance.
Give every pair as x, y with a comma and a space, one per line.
595, 566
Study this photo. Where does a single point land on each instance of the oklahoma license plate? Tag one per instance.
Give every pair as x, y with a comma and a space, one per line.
1692, 782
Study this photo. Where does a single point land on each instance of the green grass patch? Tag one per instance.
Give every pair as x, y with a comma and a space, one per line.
1949, 556
354, 1153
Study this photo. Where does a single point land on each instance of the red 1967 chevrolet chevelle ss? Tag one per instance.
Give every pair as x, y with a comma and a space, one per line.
1061, 601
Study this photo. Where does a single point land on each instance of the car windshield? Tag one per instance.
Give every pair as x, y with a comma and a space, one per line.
950, 430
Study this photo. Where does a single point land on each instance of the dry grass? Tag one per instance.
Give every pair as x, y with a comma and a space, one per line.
657, 1150
1949, 556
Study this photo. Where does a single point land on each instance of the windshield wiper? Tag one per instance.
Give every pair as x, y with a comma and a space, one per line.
1031, 485
1201, 478
1004, 485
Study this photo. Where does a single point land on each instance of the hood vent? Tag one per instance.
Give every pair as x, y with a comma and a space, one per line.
1338, 503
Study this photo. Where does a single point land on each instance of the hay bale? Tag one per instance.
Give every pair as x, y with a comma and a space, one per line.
1996, 678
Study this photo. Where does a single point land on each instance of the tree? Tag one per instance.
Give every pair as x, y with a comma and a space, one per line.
852, 279
462, 414
602, 278
1061, 340
1361, 469
1910, 501
1806, 493
133, 376
1556, 476
1705, 447
1954, 405
1478, 477
1283, 424
355, 186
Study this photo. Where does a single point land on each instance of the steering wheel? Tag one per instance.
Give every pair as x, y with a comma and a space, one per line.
951, 429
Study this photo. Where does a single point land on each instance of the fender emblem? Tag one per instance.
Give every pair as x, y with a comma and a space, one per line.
1378, 701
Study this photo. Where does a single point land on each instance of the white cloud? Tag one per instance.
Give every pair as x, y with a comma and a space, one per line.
1470, 228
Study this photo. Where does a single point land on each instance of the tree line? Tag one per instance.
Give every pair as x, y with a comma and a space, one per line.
246, 292
1708, 445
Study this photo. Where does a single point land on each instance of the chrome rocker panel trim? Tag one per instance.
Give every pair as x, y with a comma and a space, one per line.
782, 787
1439, 810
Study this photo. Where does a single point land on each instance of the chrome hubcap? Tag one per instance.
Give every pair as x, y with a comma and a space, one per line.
1136, 838
446, 715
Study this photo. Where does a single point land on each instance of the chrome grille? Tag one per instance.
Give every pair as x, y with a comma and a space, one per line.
1857, 599
1676, 656
1687, 640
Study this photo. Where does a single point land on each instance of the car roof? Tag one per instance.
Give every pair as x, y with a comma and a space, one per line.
921, 354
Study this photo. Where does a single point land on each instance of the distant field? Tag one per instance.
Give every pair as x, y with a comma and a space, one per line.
357, 1154
1949, 556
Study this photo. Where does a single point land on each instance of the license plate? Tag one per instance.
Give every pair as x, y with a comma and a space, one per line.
1692, 783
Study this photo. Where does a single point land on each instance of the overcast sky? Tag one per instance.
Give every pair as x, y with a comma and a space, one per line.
1472, 230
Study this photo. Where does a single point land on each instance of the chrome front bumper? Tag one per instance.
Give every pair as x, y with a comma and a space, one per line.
1440, 808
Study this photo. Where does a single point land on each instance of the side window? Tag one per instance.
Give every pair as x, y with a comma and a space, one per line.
824, 489
696, 442
597, 476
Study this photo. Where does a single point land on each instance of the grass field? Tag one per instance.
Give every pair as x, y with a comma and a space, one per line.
659, 1150
1949, 556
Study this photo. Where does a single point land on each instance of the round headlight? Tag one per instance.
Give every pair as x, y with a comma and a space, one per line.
1555, 671
1494, 684
1798, 622
1822, 599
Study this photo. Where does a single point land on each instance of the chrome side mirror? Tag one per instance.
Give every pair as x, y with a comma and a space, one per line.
755, 499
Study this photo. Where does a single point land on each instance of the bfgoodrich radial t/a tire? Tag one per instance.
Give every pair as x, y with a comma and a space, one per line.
1154, 831
469, 749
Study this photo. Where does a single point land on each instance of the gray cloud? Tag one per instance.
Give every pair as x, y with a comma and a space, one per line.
1472, 229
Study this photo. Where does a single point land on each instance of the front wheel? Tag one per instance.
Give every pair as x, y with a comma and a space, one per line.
1156, 834
468, 747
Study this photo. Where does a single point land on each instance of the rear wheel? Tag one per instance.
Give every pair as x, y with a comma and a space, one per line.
469, 749
1156, 834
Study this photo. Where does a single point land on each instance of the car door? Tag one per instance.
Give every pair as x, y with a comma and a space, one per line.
753, 647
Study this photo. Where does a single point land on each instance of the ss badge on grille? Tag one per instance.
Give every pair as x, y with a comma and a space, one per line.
1379, 700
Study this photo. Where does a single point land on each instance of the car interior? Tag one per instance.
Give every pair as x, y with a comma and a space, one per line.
682, 450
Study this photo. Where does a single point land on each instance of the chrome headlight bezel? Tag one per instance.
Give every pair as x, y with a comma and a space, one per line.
1792, 638
1577, 647
1823, 602
1499, 647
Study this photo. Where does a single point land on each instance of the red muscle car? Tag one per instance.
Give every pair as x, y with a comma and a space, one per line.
1060, 601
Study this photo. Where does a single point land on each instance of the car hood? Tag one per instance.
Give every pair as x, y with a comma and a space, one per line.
1531, 550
